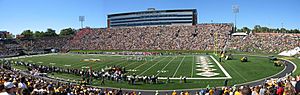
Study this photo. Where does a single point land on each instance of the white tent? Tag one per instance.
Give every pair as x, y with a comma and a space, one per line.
239, 34
290, 52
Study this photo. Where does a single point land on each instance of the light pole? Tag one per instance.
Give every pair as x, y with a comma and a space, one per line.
235, 10
81, 19
282, 27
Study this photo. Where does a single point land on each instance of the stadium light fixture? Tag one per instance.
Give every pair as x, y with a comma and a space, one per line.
282, 27
81, 19
235, 10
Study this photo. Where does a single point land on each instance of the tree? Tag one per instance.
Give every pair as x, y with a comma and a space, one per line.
264, 29
277, 30
297, 31
246, 30
294, 31
39, 34
67, 31
27, 34
283, 30
50, 33
10, 36
239, 30
256, 28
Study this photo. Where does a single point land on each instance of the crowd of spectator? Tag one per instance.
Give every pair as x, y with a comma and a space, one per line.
8, 48
198, 37
15, 82
112, 73
15, 47
265, 42
40, 44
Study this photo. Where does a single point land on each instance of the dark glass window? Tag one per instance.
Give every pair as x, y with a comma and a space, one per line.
141, 20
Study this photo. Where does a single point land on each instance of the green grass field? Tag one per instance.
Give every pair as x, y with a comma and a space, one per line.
173, 66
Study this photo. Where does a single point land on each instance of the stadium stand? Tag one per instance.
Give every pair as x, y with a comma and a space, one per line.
198, 37
41, 44
23, 83
265, 42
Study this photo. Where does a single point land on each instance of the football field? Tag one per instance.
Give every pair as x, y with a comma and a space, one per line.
199, 69
172, 66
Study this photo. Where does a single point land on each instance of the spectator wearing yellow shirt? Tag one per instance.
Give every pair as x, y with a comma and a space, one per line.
174, 92
211, 92
237, 92
226, 91
186, 93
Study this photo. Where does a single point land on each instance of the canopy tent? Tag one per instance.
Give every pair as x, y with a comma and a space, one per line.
239, 34
290, 52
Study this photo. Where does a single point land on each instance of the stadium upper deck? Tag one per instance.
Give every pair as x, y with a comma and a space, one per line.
153, 17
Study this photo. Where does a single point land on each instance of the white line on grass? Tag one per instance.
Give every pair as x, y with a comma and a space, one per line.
103, 65
193, 66
151, 66
200, 78
238, 73
142, 64
120, 63
165, 66
221, 67
130, 64
178, 67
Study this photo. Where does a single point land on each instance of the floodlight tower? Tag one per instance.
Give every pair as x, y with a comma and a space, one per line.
235, 10
282, 27
81, 19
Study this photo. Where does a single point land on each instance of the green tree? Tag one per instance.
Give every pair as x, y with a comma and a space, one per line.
297, 31
50, 33
294, 31
27, 34
283, 30
277, 30
38, 34
257, 28
239, 30
67, 31
10, 36
264, 29
246, 30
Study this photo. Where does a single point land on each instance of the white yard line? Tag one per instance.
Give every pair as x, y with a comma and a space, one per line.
101, 66
178, 67
193, 63
214, 78
120, 63
142, 64
152, 66
165, 67
221, 67
129, 64
238, 73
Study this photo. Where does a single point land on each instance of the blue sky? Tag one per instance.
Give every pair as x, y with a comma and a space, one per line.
18, 15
